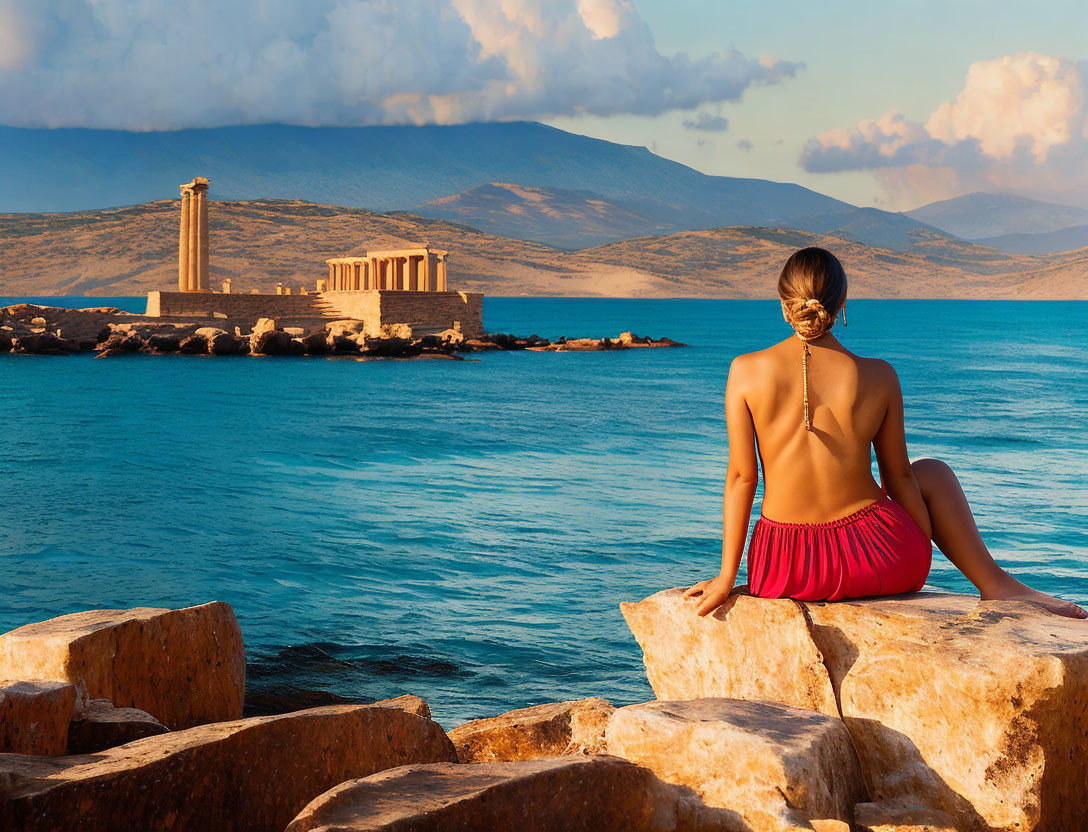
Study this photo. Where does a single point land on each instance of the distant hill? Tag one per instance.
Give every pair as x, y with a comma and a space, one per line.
562, 218
1047, 242
575, 219
259, 243
981, 216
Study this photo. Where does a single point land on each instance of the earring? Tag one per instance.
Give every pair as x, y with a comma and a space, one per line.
843, 313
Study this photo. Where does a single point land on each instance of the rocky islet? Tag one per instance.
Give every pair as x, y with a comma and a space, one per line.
108, 331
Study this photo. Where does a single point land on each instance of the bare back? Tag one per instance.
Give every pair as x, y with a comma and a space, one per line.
825, 473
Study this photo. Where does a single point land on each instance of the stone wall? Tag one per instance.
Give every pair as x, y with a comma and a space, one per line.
423, 311
207, 304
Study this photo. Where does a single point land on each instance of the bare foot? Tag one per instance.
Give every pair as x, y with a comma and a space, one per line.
1013, 590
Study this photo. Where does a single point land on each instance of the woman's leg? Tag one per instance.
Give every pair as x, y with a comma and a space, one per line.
957, 536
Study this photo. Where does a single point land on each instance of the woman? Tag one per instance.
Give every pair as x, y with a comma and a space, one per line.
827, 530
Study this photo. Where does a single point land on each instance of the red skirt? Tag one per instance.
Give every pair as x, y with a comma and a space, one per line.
878, 550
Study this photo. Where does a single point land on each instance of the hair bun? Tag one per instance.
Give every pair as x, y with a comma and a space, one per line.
809, 318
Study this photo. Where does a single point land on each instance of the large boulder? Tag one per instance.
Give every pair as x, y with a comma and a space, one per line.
978, 710
588, 794
184, 667
252, 775
779, 767
546, 730
271, 342
100, 725
34, 717
406, 702
749, 648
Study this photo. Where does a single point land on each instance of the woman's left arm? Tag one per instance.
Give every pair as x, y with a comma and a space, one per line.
741, 477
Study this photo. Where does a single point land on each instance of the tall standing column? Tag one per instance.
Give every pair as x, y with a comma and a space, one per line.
203, 279
442, 273
194, 241
183, 241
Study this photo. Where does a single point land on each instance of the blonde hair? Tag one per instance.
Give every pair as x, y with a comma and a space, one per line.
812, 288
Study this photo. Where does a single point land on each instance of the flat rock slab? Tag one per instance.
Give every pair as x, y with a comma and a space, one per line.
100, 726
251, 775
34, 717
978, 710
763, 652
779, 767
593, 793
184, 667
547, 730
406, 702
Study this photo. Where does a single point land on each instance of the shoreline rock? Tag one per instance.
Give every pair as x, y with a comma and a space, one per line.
971, 710
26, 328
249, 775
599, 793
184, 667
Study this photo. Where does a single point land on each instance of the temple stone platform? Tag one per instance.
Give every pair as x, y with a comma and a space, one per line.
425, 312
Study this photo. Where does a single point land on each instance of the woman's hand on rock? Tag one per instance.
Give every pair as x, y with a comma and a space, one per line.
714, 592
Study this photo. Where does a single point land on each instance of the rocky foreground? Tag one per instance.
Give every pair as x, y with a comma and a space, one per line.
924, 712
108, 331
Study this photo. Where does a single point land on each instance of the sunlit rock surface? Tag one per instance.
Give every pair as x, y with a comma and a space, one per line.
251, 774
547, 730
184, 667
779, 767
976, 710
595, 792
34, 716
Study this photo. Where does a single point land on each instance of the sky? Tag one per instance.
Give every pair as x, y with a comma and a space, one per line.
889, 104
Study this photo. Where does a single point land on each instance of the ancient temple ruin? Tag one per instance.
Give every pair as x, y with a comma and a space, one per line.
381, 288
193, 244
409, 270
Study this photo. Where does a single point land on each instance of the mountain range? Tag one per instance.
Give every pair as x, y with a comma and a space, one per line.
541, 202
258, 244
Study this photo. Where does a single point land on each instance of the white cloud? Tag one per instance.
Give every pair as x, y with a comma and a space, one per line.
161, 64
1019, 124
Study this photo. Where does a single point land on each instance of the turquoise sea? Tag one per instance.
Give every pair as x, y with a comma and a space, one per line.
465, 531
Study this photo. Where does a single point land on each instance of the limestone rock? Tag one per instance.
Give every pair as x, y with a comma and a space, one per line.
164, 343
876, 817
34, 717
343, 344
45, 343
777, 766
227, 344
100, 726
396, 331
262, 326
406, 702
976, 710
271, 342
548, 730
315, 344
583, 794
347, 326
452, 336
194, 345
184, 667
251, 775
749, 648
210, 332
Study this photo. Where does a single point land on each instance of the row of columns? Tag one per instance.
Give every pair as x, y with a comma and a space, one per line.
411, 272
193, 241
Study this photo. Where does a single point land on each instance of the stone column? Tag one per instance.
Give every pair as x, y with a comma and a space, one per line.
183, 241
328, 285
428, 271
203, 278
441, 273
